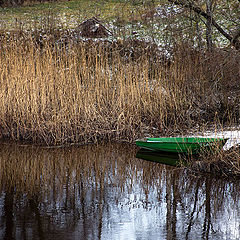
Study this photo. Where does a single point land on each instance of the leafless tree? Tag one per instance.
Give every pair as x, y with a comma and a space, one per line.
211, 21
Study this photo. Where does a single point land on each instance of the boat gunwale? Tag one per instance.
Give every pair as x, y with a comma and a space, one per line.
195, 145
161, 140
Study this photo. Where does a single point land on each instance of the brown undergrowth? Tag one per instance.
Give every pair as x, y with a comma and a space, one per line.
58, 89
220, 164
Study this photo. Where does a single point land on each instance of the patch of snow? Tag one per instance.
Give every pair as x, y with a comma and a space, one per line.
232, 135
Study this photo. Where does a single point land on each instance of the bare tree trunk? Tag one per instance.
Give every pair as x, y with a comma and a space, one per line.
199, 37
209, 25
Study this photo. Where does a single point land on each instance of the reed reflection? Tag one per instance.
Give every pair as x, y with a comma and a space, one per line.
100, 192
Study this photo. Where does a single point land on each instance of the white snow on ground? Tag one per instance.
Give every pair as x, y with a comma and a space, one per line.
232, 135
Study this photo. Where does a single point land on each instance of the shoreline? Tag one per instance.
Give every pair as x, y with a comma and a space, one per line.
223, 164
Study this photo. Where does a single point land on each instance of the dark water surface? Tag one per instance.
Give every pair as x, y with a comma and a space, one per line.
104, 192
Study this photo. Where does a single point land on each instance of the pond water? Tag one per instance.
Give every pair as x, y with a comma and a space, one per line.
105, 192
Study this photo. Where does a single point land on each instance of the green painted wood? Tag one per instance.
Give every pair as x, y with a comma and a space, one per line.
190, 145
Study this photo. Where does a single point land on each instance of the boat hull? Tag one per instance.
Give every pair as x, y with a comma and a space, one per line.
182, 145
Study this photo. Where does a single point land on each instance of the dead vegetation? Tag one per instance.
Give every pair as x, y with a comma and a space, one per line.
220, 164
57, 88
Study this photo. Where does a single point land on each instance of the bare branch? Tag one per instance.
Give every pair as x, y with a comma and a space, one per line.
190, 5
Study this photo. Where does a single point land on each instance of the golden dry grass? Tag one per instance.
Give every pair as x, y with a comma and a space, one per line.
82, 92
59, 96
220, 163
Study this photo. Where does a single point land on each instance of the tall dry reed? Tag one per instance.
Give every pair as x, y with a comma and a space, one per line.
83, 91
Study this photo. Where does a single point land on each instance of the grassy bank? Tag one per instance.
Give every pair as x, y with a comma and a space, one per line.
58, 90
69, 14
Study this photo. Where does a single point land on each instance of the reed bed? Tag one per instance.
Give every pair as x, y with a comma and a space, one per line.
58, 92
222, 163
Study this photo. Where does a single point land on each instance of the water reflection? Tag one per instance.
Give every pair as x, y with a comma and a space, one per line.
104, 192
172, 159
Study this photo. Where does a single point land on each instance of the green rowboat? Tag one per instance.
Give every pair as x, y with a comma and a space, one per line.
189, 145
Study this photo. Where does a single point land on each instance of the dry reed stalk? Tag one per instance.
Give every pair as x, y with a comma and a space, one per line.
81, 93
218, 163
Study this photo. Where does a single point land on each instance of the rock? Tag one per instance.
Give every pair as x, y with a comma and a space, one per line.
93, 28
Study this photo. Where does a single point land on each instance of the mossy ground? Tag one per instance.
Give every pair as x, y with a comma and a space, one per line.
70, 13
